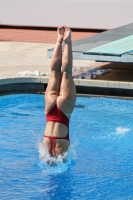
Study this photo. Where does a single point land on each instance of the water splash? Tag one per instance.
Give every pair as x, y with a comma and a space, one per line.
121, 130
118, 133
53, 165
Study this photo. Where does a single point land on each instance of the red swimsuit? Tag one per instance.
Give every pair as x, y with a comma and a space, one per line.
56, 115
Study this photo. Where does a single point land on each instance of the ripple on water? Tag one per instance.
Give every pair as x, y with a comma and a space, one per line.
99, 164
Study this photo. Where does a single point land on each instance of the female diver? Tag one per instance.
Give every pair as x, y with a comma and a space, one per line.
60, 96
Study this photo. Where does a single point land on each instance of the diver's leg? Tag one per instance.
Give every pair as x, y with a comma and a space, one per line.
53, 87
67, 98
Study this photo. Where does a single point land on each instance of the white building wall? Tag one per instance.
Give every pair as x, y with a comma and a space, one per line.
93, 14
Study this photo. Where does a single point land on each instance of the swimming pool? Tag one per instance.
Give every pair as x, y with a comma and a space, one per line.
100, 164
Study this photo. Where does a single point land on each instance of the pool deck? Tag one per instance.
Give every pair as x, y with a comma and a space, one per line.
26, 50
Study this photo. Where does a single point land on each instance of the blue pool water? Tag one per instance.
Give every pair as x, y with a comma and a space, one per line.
100, 163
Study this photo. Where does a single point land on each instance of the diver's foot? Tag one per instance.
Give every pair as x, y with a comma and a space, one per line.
67, 37
60, 32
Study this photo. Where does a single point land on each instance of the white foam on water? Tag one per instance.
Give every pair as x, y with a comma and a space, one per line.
50, 164
121, 130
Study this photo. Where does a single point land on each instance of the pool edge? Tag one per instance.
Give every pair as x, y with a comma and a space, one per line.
38, 84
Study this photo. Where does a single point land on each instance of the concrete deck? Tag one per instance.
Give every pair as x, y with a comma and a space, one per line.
31, 56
